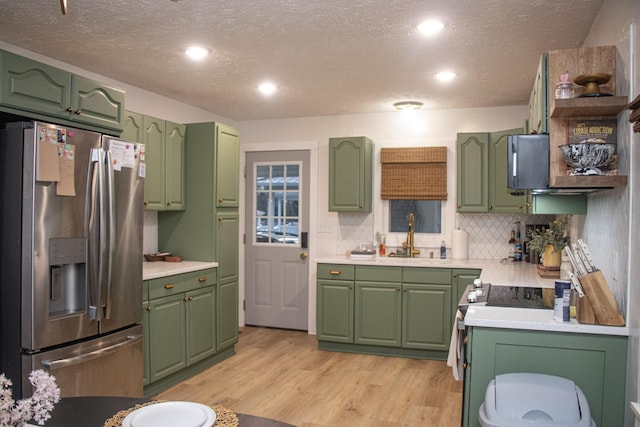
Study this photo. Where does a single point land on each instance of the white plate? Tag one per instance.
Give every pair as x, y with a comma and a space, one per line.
171, 414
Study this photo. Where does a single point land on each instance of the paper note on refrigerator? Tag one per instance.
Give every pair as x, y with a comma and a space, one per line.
66, 186
47, 154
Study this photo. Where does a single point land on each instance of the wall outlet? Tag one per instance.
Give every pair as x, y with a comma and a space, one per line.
324, 228
616, 263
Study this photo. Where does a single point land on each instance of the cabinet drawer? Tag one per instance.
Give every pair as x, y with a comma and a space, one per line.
436, 276
336, 271
169, 285
201, 278
372, 273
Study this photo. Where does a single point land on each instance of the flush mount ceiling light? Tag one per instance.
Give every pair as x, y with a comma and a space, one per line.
267, 88
196, 52
408, 105
445, 76
430, 27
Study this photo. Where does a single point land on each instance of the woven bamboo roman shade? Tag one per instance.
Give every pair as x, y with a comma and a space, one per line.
414, 173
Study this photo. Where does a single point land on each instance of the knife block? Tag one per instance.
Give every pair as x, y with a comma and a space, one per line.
600, 298
584, 311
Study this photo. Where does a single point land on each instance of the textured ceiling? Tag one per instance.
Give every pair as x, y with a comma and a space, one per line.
327, 56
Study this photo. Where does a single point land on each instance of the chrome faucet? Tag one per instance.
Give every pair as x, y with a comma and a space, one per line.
411, 250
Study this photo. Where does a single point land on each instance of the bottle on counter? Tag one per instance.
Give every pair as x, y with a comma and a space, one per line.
517, 246
512, 245
382, 248
443, 251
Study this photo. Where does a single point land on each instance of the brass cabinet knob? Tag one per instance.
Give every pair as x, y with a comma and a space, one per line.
202, 279
168, 203
303, 256
335, 272
77, 112
490, 207
398, 289
148, 308
69, 109
350, 286
145, 203
220, 200
169, 286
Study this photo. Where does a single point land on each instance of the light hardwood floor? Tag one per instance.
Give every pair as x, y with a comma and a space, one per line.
281, 374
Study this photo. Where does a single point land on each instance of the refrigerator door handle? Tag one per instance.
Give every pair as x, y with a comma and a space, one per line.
94, 223
110, 219
75, 360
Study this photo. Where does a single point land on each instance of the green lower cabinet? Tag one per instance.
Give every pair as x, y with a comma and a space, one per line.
201, 324
167, 339
146, 376
426, 316
227, 315
460, 279
389, 310
596, 363
378, 311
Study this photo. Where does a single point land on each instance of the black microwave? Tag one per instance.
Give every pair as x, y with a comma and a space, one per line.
528, 162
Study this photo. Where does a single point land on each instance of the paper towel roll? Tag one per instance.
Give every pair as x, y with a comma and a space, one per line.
460, 244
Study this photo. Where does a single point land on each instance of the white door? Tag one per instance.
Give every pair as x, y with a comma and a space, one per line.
276, 249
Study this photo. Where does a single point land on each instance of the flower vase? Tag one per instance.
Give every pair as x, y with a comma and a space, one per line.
551, 257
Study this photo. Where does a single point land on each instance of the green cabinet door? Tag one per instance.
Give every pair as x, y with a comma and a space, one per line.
174, 166
227, 314
97, 104
32, 86
335, 310
201, 324
153, 137
350, 174
227, 244
473, 172
500, 198
426, 319
227, 155
596, 363
460, 279
132, 128
378, 313
167, 340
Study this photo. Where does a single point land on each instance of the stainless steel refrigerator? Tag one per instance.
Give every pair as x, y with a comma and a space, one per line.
71, 259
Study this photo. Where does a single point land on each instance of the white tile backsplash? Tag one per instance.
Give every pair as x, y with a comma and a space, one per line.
150, 232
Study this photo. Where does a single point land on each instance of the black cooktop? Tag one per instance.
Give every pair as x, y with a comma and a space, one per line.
515, 296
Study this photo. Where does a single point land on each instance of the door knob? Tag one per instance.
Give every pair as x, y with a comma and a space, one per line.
303, 255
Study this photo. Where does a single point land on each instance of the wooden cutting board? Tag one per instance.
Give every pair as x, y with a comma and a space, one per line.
601, 299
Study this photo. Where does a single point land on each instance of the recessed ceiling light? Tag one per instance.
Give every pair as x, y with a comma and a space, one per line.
196, 52
430, 27
408, 105
267, 88
445, 76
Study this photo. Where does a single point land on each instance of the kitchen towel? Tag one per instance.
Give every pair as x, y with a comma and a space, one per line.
455, 360
459, 244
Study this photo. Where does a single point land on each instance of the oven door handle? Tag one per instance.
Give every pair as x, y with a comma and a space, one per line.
62, 363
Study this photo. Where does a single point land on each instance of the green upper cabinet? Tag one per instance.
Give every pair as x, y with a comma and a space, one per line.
350, 174
500, 198
539, 101
482, 174
473, 172
132, 128
227, 160
34, 87
164, 156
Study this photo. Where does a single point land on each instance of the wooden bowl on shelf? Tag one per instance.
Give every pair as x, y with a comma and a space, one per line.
591, 83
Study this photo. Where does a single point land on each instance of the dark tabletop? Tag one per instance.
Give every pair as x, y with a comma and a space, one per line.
94, 411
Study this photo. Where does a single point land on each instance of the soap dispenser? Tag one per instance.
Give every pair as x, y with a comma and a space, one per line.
443, 251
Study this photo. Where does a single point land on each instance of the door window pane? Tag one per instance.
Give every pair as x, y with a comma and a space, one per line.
277, 205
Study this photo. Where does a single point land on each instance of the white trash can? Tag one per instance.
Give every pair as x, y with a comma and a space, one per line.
525, 399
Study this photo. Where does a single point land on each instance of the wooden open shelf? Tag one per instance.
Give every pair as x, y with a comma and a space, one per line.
590, 181
588, 107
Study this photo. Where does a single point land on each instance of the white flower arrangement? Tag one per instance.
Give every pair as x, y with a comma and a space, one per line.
37, 407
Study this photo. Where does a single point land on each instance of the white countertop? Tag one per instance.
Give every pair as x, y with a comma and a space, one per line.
532, 319
496, 272
154, 270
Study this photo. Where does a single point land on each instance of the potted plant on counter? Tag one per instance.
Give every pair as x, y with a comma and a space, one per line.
551, 241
